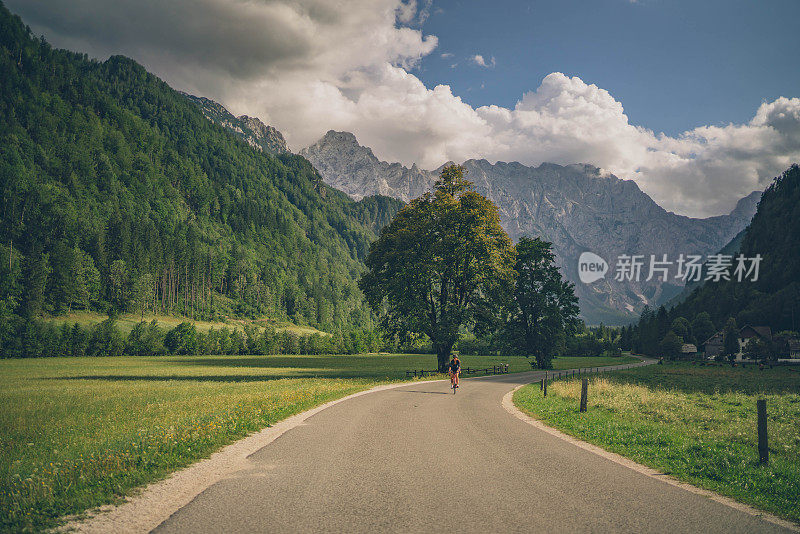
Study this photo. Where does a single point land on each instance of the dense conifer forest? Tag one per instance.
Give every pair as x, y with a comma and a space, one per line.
118, 195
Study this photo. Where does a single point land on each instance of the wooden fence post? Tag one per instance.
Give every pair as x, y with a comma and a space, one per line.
545, 388
541, 385
584, 392
763, 450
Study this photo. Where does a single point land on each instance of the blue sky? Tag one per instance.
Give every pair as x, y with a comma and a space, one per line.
673, 64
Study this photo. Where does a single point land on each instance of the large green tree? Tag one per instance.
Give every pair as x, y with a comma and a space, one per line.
440, 260
671, 345
544, 309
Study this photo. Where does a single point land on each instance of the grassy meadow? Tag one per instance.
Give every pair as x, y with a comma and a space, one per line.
80, 432
696, 423
126, 321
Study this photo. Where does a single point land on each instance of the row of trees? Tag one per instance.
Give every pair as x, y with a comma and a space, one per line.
445, 263
660, 331
663, 333
595, 341
36, 338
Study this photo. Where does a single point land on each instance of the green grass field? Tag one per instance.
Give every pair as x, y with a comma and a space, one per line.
127, 321
696, 423
80, 432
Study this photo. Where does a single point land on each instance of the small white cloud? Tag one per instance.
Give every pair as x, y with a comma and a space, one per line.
446, 55
479, 60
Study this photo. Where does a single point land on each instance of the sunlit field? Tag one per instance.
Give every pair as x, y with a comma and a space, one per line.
695, 423
126, 321
79, 432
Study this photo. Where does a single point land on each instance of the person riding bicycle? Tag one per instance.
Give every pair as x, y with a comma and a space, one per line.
455, 370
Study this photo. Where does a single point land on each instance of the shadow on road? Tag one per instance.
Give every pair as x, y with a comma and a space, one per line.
428, 392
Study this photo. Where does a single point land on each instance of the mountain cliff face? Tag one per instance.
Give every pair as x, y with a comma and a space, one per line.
256, 133
577, 207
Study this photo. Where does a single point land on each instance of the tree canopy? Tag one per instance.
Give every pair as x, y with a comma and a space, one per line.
543, 309
440, 260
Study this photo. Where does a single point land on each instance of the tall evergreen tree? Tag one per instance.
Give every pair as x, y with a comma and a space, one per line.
730, 340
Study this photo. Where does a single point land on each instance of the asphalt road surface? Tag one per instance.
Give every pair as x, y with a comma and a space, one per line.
421, 459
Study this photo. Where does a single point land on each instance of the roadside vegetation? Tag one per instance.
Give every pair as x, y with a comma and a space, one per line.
80, 432
696, 423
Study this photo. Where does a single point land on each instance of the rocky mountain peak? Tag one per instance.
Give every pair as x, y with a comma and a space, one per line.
265, 137
257, 134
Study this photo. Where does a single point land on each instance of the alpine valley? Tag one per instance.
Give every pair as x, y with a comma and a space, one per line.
577, 207
129, 182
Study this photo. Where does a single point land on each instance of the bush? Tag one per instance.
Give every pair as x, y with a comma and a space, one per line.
182, 339
145, 339
106, 340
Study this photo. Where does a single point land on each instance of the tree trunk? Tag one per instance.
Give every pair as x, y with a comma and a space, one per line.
443, 356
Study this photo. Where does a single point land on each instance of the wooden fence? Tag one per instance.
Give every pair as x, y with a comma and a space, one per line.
493, 370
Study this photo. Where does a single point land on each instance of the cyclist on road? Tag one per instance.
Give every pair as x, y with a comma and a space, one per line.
455, 370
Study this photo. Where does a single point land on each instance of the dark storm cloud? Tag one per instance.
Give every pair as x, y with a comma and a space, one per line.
242, 38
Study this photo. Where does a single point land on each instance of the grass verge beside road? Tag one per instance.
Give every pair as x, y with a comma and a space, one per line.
696, 423
80, 432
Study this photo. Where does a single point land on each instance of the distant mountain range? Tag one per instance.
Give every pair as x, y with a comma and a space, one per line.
577, 207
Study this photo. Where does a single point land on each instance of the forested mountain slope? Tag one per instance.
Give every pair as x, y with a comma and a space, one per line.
774, 233
773, 299
117, 193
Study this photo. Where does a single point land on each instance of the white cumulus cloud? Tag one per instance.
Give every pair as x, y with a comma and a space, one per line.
307, 66
481, 62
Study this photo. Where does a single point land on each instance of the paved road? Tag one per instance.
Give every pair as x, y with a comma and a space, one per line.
420, 459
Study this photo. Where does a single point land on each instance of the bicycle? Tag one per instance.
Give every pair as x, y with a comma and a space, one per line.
453, 382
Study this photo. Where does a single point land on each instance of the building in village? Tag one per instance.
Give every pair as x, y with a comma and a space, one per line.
714, 345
